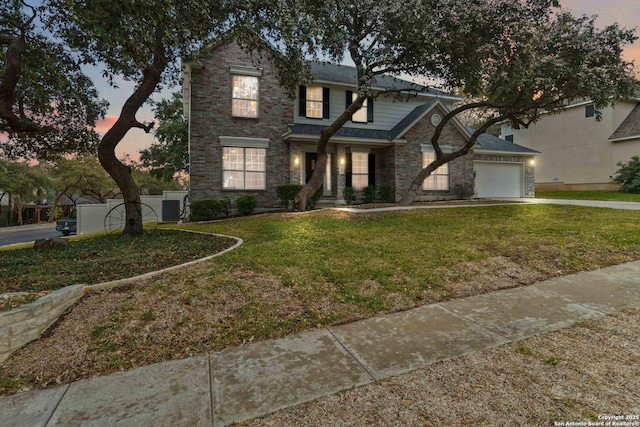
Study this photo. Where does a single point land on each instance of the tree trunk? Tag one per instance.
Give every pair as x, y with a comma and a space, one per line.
121, 173
314, 184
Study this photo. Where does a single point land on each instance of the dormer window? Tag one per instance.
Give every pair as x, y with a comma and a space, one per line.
314, 102
365, 113
589, 111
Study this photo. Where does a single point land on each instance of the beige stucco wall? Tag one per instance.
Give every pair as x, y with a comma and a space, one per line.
575, 149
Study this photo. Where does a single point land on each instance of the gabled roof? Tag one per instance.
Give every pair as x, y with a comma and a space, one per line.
344, 74
487, 143
408, 121
630, 126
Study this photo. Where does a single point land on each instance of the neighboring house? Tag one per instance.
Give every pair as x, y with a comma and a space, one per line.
247, 136
578, 152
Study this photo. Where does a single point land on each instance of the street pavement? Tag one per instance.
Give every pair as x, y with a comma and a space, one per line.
27, 233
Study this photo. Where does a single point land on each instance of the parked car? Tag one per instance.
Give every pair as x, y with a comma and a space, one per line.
67, 225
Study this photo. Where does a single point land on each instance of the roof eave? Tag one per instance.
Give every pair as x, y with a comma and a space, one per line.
500, 152
624, 138
345, 140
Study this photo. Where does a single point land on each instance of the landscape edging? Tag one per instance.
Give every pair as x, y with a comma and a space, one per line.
25, 323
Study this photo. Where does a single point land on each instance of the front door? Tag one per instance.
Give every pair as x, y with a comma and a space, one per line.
310, 165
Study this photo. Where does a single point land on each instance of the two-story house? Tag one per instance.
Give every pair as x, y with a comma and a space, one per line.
577, 151
247, 136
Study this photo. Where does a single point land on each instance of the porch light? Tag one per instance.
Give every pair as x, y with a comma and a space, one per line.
532, 162
296, 160
341, 161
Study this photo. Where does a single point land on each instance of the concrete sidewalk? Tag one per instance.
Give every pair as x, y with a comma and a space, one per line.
253, 380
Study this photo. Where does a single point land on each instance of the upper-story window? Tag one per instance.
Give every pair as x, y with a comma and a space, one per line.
365, 113
245, 96
589, 110
314, 102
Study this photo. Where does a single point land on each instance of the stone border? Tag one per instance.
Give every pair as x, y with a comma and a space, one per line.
25, 323
119, 282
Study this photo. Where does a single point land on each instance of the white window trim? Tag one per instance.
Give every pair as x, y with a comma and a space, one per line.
245, 70
244, 142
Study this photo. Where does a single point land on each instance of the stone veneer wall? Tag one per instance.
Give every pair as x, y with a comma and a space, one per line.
211, 117
408, 160
25, 323
529, 171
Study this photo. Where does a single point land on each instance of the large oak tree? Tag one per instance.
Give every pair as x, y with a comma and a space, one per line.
515, 58
140, 41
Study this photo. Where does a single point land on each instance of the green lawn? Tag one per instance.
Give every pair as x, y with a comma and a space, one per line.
589, 195
101, 258
296, 272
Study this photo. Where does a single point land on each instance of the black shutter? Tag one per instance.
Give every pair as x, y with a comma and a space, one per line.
348, 99
347, 174
302, 101
325, 102
369, 110
372, 169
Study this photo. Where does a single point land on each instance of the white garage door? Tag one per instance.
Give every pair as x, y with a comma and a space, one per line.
498, 179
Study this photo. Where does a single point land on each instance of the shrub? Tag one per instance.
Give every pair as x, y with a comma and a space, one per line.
629, 175
385, 193
246, 204
368, 194
205, 209
463, 191
349, 195
287, 193
313, 200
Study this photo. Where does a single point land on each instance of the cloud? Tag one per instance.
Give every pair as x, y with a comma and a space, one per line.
105, 124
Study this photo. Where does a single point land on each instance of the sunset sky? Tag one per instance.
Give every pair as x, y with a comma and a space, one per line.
625, 12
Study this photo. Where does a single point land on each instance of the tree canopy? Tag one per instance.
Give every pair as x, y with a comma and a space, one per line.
170, 154
47, 104
139, 41
524, 59
514, 58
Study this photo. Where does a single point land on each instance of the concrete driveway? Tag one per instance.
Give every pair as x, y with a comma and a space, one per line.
632, 206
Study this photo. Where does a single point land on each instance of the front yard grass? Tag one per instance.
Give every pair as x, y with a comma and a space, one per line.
101, 258
589, 195
300, 271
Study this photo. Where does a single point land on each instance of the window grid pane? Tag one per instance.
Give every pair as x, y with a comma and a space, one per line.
314, 102
439, 179
243, 168
359, 163
245, 96
359, 181
359, 170
255, 159
233, 180
359, 116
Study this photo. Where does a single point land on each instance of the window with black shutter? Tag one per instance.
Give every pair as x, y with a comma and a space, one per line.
313, 102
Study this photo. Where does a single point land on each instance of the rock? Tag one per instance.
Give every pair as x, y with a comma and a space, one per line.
50, 243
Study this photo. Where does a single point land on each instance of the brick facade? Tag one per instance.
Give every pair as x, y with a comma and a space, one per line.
211, 117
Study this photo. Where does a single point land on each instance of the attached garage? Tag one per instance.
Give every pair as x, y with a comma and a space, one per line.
495, 179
